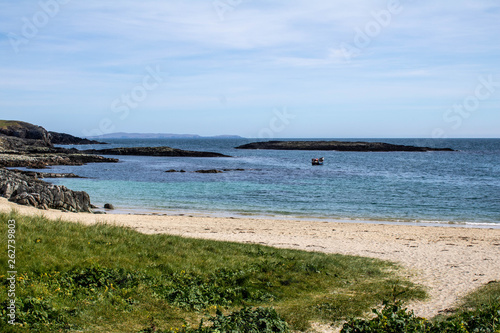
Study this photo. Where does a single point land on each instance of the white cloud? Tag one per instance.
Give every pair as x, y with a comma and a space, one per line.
263, 53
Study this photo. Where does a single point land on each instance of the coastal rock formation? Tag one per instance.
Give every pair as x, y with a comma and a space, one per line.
41, 161
208, 171
23, 130
67, 139
26, 145
42, 175
173, 170
20, 129
218, 171
12, 143
26, 190
336, 145
153, 151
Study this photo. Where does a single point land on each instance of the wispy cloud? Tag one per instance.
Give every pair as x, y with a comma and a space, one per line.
262, 54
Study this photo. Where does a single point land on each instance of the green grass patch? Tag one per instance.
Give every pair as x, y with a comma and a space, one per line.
105, 278
6, 123
479, 312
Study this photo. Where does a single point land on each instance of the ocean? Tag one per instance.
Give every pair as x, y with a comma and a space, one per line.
461, 187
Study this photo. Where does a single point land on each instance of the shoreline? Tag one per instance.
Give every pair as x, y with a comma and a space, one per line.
449, 262
250, 215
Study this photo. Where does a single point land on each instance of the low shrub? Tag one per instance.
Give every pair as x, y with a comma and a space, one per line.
247, 320
395, 319
222, 288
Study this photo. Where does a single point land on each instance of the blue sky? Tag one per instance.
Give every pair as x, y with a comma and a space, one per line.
340, 68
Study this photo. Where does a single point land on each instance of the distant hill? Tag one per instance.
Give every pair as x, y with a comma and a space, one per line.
123, 135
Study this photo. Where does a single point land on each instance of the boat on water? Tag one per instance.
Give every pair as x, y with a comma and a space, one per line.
318, 161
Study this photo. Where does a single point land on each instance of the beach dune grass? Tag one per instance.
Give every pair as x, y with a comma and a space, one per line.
109, 278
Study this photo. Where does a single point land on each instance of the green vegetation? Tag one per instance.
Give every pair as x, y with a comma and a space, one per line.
479, 312
260, 320
104, 278
6, 123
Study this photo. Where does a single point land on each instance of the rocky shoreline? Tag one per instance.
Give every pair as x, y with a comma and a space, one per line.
337, 146
42, 175
27, 190
42, 161
30, 146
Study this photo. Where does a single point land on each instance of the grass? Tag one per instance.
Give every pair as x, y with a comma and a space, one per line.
6, 123
479, 312
105, 278
488, 294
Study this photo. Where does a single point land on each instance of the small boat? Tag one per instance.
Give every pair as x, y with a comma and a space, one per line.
318, 161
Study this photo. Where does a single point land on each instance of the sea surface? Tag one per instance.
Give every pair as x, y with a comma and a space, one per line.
461, 187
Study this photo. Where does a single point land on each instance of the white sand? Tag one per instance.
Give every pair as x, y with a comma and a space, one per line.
450, 262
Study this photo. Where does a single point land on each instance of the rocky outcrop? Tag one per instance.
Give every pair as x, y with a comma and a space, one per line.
336, 145
20, 129
26, 190
153, 151
218, 171
67, 139
23, 130
109, 206
26, 145
206, 171
41, 161
209, 171
12, 143
42, 175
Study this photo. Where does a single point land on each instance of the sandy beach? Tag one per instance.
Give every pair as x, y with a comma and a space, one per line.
448, 261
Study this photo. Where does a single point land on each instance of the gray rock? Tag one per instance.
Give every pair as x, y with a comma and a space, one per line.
23, 130
67, 139
209, 171
26, 190
42, 175
109, 206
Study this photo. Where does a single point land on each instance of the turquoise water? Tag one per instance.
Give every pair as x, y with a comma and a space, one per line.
458, 187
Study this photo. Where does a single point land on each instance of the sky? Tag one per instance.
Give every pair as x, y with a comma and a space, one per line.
267, 69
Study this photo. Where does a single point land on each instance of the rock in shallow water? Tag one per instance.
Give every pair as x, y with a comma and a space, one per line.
209, 171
